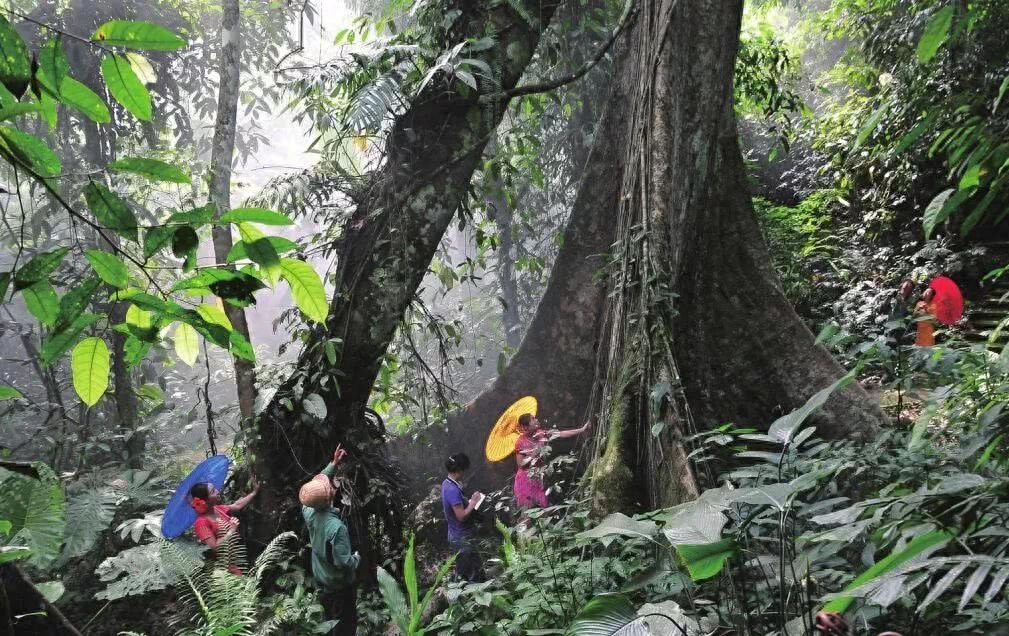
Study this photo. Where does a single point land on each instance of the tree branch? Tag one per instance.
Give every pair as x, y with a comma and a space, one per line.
545, 87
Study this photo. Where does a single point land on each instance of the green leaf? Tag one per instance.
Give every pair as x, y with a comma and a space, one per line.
914, 134
184, 241
870, 125
15, 69
35, 508
53, 65
936, 33
1001, 93
108, 266
234, 286
187, 344
82, 99
260, 251
930, 541
142, 67
978, 212
971, 178
395, 602
39, 268
125, 87
111, 211
76, 301
15, 110
41, 301
196, 217
784, 428
239, 346
151, 168
306, 288
156, 238
315, 406
934, 212
214, 315
90, 366
256, 215
280, 245
58, 343
29, 151
137, 35
9, 393
604, 615
706, 560
135, 350
11, 553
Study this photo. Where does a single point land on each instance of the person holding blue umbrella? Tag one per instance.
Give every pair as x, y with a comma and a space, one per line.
196, 503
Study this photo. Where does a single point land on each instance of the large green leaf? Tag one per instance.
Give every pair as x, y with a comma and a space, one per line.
256, 215
280, 245
306, 288
15, 68
39, 268
9, 393
137, 35
89, 364
214, 315
84, 100
156, 238
394, 599
41, 301
35, 509
706, 560
125, 87
187, 344
109, 267
29, 151
53, 65
606, 615
784, 428
11, 553
930, 541
58, 343
935, 212
936, 32
151, 168
196, 217
111, 211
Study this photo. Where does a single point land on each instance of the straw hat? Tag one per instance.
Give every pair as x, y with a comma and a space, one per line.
317, 493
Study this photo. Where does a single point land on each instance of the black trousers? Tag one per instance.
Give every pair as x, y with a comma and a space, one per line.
468, 564
341, 605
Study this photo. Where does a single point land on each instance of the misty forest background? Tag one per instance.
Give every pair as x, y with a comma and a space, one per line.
265, 228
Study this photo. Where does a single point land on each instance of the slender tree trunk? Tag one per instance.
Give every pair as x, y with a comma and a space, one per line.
125, 396
431, 154
221, 157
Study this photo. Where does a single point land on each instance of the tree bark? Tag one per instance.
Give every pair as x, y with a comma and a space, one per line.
125, 396
222, 154
503, 215
431, 154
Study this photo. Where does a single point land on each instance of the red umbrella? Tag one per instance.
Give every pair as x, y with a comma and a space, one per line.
948, 300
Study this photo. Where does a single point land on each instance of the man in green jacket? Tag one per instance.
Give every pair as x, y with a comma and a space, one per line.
333, 563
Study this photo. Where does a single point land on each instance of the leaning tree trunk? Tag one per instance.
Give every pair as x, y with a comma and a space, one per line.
221, 157
430, 156
557, 357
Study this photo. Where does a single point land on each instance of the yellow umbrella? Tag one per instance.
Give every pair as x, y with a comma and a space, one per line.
502, 438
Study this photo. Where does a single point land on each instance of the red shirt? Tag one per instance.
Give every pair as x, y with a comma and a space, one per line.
207, 527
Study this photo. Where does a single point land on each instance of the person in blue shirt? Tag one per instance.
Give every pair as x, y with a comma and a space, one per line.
459, 517
333, 563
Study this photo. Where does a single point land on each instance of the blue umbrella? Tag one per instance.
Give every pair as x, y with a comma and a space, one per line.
179, 514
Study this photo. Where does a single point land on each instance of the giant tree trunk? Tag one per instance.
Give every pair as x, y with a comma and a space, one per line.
221, 157
695, 315
430, 156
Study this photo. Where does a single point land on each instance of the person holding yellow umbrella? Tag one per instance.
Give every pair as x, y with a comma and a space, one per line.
520, 433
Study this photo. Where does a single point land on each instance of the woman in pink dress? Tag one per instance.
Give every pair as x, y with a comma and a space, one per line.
529, 489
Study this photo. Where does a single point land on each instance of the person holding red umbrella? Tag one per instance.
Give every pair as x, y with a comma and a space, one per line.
941, 301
